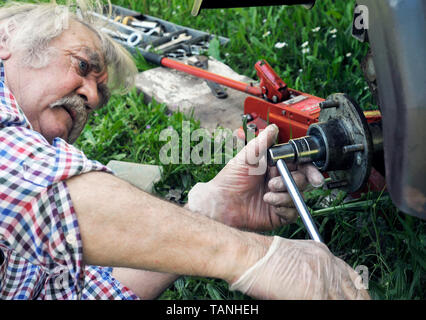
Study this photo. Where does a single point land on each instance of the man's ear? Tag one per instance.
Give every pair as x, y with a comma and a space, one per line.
4, 52
4, 49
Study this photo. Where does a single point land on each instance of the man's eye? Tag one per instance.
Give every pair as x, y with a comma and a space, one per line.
83, 67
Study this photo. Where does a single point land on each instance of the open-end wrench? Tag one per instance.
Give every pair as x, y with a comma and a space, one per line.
132, 39
298, 201
217, 90
179, 39
192, 46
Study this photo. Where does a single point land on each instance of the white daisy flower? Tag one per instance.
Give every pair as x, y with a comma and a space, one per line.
304, 44
305, 50
333, 31
348, 55
333, 36
280, 45
316, 29
267, 33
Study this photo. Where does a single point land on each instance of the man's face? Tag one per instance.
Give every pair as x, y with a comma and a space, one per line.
57, 98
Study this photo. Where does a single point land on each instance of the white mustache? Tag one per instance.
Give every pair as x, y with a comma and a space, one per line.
77, 106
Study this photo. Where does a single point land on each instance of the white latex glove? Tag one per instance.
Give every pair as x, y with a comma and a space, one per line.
300, 269
246, 197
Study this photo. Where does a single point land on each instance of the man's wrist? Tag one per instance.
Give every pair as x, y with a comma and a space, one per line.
252, 249
240, 254
204, 198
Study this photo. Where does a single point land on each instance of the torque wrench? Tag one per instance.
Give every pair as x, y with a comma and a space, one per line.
298, 201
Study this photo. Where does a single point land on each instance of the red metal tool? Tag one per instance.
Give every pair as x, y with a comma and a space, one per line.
293, 116
291, 110
272, 102
273, 88
201, 73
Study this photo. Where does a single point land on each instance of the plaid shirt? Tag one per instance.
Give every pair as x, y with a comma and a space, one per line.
40, 241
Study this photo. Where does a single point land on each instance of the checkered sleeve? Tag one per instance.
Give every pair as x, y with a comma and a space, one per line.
37, 219
99, 284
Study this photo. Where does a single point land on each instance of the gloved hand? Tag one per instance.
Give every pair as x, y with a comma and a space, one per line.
300, 269
247, 195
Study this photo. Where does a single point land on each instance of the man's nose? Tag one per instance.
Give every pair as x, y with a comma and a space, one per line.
89, 92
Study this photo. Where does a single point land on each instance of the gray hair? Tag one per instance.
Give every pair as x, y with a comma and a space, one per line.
31, 28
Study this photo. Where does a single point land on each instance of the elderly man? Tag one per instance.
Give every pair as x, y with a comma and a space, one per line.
69, 229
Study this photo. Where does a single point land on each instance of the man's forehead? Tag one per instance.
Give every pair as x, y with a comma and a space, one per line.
82, 39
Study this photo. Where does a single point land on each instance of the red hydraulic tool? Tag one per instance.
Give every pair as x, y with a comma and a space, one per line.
348, 155
291, 110
334, 134
273, 88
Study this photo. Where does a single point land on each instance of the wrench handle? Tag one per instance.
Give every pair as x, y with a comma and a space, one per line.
298, 201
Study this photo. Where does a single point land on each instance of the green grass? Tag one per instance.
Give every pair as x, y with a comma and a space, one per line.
370, 232
255, 31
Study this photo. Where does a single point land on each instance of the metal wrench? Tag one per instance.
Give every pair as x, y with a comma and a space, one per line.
181, 38
298, 201
216, 89
132, 39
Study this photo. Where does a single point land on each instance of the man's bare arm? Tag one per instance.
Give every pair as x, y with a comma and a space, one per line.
122, 226
146, 285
